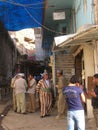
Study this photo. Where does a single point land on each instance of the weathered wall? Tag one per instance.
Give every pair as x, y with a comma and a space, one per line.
7, 56
39, 51
96, 11
84, 12
89, 71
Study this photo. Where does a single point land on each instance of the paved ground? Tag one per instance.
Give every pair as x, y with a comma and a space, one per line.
32, 121
4, 103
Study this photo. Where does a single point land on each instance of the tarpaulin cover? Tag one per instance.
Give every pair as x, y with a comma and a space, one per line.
21, 14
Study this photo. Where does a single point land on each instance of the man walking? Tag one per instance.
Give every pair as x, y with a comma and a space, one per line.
61, 100
75, 113
20, 90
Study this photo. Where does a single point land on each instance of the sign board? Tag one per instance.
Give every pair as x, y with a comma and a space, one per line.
59, 15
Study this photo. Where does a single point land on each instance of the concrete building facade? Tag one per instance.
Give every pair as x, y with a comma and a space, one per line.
8, 60
83, 45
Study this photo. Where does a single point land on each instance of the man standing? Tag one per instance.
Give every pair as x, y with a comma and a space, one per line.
20, 90
14, 96
31, 92
61, 100
73, 96
44, 88
94, 95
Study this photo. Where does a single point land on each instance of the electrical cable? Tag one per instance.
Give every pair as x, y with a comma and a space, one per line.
23, 5
51, 30
92, 12
26, 5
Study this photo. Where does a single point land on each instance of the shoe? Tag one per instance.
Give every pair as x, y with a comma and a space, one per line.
30, 112
60, 117
15, 110
24, 113
48, 115
18, 112
42, 116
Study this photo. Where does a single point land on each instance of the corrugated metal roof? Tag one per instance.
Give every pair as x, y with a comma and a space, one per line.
84, 37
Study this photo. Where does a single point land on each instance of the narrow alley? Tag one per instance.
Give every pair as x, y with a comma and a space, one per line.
32, 121
38, 36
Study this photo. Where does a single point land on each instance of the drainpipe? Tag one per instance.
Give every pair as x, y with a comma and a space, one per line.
74, 20
96, 11
54, 73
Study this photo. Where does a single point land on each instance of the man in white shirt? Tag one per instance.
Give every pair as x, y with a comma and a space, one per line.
14, 96
31, 92
20, 90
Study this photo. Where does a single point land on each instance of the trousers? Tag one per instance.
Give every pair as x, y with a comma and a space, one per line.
95, 112
32, 102
21, 102
14, 101
76, 118
61, 104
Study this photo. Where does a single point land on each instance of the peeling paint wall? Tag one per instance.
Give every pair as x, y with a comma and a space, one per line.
89, 71
84, 12
96, 11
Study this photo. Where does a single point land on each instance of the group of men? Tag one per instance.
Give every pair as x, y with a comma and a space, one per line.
20, 87
45, 91
70, 95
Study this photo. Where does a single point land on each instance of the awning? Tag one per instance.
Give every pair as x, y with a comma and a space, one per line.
60, 39
21, 14
84, 37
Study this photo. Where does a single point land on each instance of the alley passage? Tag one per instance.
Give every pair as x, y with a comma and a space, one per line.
32, 121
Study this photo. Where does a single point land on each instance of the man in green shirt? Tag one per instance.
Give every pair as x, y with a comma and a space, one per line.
61, 100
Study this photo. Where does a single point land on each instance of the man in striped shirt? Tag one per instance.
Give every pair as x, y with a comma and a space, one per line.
44, 88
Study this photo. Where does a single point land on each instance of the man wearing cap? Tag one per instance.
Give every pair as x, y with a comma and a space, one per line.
44, 88
20, 90
61, 100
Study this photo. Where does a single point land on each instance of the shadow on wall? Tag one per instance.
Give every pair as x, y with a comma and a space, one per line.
7, 52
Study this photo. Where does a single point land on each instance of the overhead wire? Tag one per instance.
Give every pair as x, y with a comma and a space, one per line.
23, 5
27, 5
41, 24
